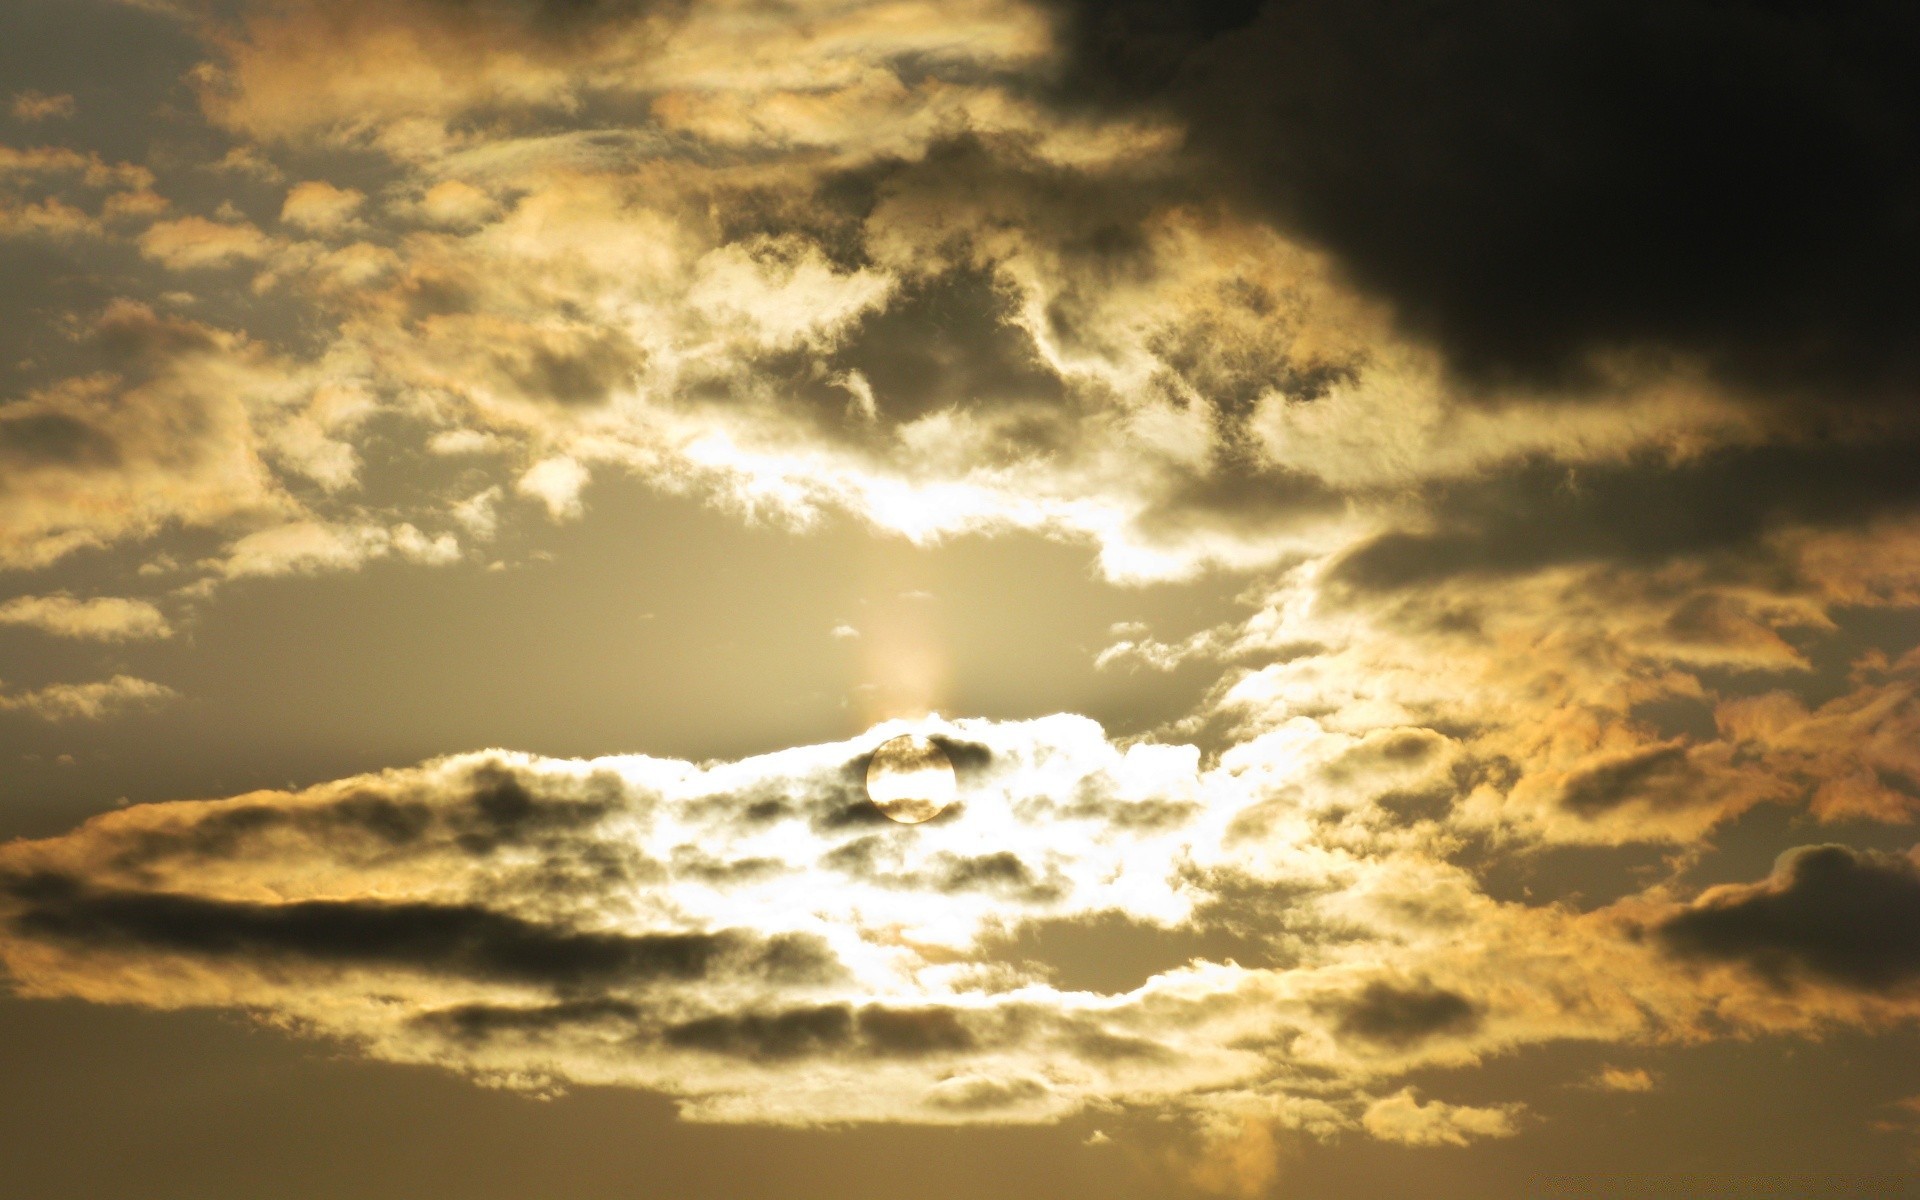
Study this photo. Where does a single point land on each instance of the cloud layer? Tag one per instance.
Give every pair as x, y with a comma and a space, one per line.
1542, 376
754, 939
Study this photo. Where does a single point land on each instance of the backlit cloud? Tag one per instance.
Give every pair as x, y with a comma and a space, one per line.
1548, 418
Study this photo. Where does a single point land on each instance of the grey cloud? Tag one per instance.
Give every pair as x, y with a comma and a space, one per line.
1001, 871
461, 940
1651, 773
872, 1029
794, 1033
482, 1022
1400, 1017
1097, 798
1835, 914
58, 439
1533, 185
490, 808
1543, 514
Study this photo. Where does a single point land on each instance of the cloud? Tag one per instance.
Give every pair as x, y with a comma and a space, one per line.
158, 432
1623, 1079
311, 547
1492, 173
55, 194
1833, 914
1402, 1117
421, 59
34, 106
631, 921
320, 207
191, 243
86, 701
1402, 1017
102, 618
1525, 573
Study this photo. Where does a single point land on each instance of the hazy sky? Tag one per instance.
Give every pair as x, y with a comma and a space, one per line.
1404, 517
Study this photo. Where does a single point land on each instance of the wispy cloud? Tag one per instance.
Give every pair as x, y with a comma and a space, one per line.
85, 701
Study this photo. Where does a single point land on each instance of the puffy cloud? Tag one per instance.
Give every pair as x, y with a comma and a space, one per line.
1624, 1079
320, 207
103, 618
190, 243
161, 435
307, 547
46, 192
1401, 1117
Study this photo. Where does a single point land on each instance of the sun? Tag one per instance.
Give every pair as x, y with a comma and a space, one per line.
911, 779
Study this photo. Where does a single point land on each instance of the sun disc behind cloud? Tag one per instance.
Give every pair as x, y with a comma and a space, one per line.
911, 779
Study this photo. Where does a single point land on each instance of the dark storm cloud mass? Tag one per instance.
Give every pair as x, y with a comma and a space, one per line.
1839, 915
1534, 183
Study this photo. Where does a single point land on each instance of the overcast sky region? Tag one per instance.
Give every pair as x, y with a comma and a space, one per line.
1403, 517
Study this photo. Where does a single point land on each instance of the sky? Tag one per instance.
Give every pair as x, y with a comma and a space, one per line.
1401, 515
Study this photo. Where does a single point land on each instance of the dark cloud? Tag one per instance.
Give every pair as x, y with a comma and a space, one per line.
504, 808
581, 369
795, 1033
1639, 513
910, 1032
55, 439
463, 940
1846, 916
479, 1022
825, 1029
1096, 797
1385, 749
545, 24
1647, 773
949, 341
1002, 871
492, 808
971, 760
1400, 1017
1532, 183
690, 862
